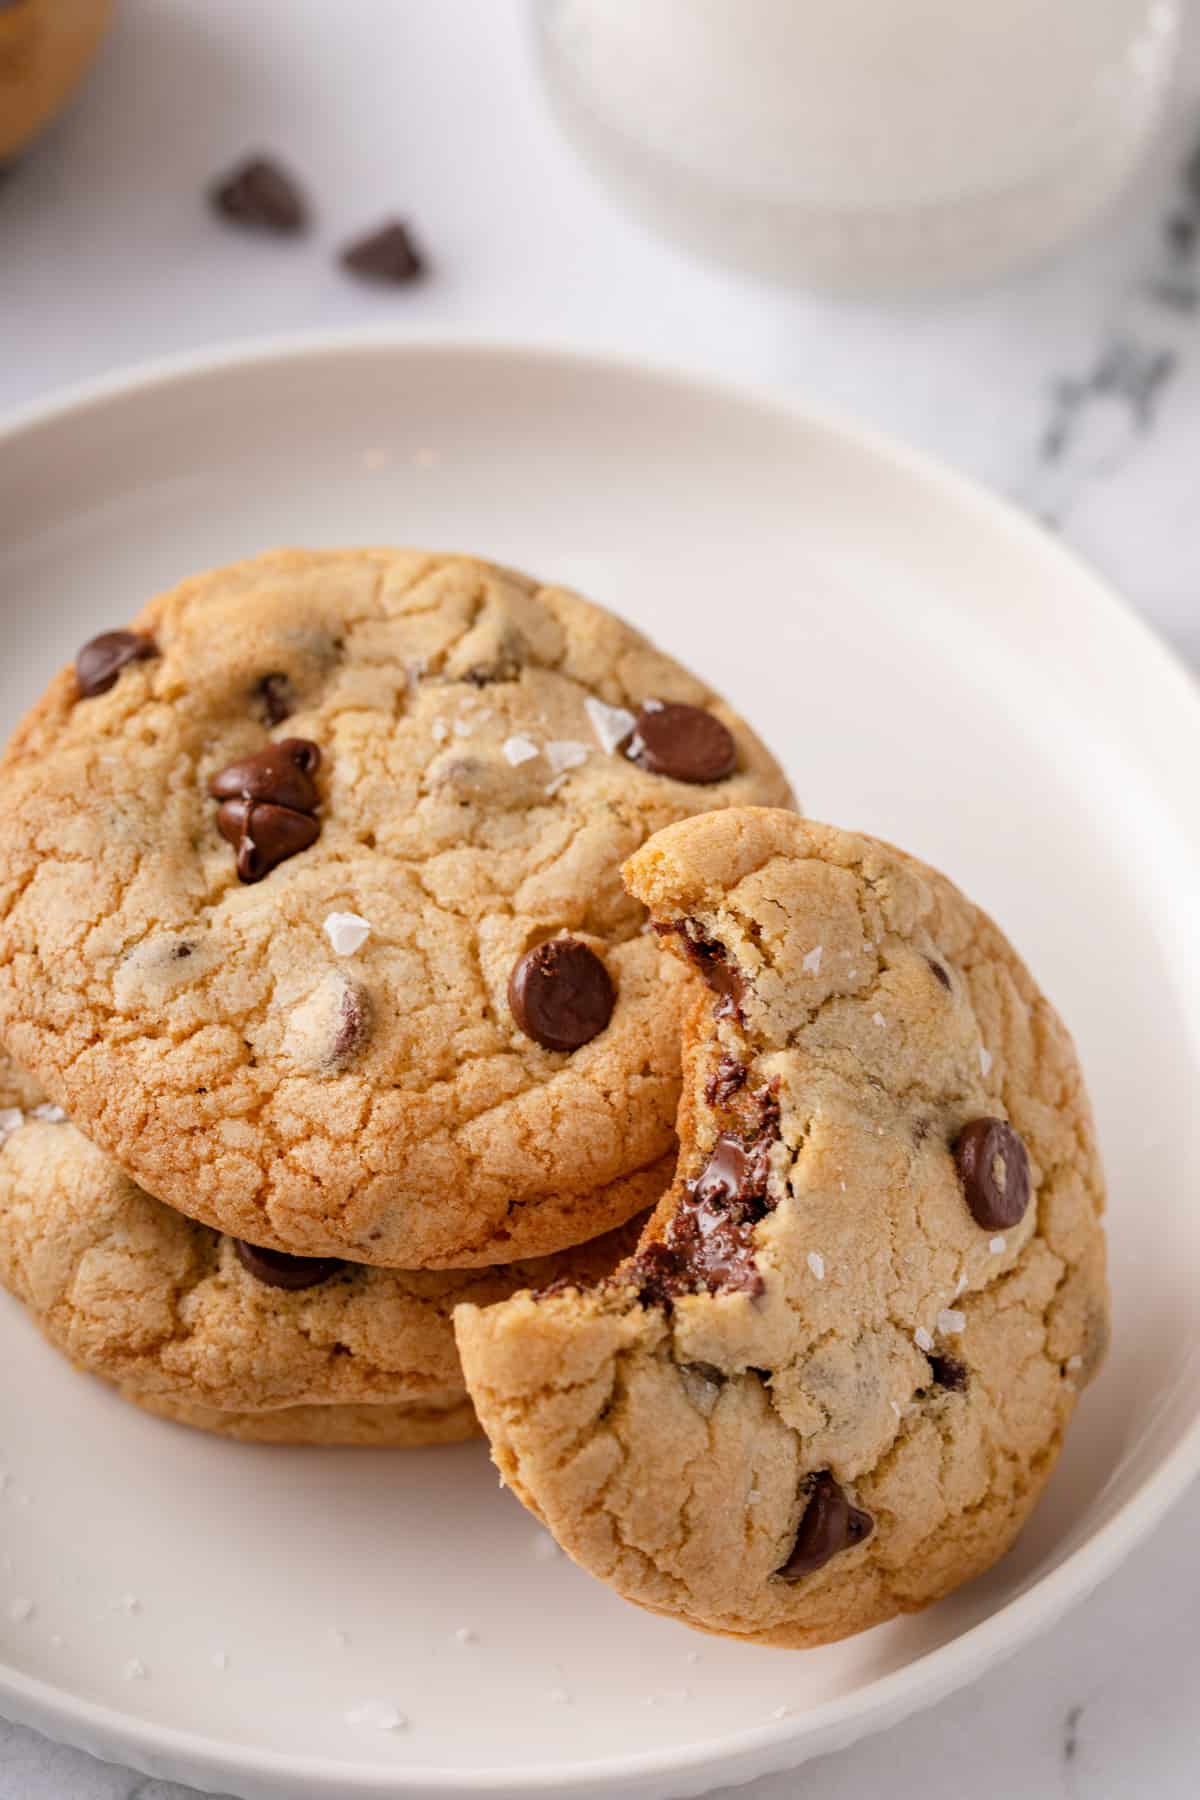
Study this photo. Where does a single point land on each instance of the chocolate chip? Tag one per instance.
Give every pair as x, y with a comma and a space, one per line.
264, 835
941, 973
712, 961
948, 1372
259, 193
281, 772
726, 1080
993, 1166
830, 1524
561, 994
274, 1268
102, 658
276, 698
353, 1022
388, 254
683, 742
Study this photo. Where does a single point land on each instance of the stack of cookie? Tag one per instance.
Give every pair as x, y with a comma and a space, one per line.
401, 962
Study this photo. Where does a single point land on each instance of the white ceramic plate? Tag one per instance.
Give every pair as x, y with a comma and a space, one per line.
931, 667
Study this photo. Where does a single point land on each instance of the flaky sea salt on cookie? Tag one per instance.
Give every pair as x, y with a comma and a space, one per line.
834, 1379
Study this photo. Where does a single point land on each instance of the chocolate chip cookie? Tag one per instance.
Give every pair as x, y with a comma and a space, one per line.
833, 1380
310, 904
226, 1335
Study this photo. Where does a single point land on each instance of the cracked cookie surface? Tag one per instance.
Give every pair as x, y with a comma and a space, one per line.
458, 782
168, 1312
822, 1392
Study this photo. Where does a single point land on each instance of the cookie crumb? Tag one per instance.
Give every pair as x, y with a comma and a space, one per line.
811, 963
950, 1323
134, 1670
130, 1603
519, 749
465, 1635
347, 932
380, 1715
611, 724
816, 1263
340, 1640
374, 460
782, 1712
20, 1609
559, 1696
220, 1659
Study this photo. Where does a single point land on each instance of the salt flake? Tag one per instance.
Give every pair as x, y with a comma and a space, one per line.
985, 1062
135, 1669
997, 1246
1074, 1363
816, 1263
439, 731
611, 724
878, 1019
347, 932
11, 1119
922, 1339
566, 753
518, 749
950, 1323
50, 1115
811, 963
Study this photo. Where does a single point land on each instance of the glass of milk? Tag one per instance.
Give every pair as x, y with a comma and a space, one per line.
862, 144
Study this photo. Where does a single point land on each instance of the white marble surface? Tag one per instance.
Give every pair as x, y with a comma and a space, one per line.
1075, 389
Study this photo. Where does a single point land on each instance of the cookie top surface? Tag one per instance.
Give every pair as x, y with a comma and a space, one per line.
834, 1378
269, 862
194, 1323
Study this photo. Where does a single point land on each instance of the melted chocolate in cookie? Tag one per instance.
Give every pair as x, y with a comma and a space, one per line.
948, 1372
102, 658
267, 805
993, 1167
830, 1524
711, 960
682, 742
709, 1244
942, 973
276, 698
728, 1078
561, 994
274, 1268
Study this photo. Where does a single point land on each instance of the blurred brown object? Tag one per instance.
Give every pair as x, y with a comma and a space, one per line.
46, 48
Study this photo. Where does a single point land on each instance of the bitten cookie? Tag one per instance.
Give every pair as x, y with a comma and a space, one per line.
223, 1335
310, 904
834, 1379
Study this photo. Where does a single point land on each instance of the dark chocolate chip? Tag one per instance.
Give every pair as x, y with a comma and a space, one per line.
993, 1166
683, 742
276, 698
275, 1268
830, 1524
712, 961
281, 773
388, 254
561, 994
725, 1081
941, 973
264, 835
259, 193
101, 659
948, 1372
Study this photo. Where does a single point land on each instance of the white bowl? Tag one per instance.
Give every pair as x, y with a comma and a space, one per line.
931, 666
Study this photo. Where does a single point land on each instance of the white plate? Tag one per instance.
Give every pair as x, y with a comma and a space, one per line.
931, 667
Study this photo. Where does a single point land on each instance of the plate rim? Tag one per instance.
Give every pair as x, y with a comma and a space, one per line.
163, 1749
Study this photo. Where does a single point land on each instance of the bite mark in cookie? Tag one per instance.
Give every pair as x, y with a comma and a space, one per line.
817, 1395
